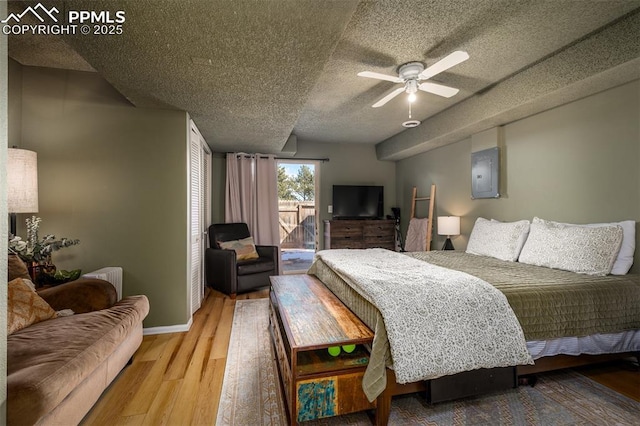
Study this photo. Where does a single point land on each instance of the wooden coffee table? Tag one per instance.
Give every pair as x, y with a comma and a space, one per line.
305, 320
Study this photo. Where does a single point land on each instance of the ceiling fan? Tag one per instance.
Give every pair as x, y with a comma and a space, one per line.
412, 73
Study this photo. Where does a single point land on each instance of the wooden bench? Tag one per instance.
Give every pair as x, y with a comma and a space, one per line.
305, 320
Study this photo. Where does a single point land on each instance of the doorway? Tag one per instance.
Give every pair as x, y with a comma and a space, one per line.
297, 213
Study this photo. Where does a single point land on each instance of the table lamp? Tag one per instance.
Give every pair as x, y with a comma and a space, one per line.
449, 226
22, 183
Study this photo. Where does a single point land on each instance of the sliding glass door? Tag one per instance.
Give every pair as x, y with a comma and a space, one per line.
297, 205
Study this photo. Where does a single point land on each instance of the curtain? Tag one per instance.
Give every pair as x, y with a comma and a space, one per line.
252, 195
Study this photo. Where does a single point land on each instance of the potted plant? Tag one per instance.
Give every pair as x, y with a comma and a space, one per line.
36, 253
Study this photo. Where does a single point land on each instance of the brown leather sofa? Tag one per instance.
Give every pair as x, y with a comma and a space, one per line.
58, 368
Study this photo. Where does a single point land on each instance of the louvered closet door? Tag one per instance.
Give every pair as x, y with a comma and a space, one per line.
199, 185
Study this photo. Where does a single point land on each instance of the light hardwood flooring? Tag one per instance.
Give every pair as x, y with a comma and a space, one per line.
176, 379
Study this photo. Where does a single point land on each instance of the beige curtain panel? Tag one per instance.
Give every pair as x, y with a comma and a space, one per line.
252, 195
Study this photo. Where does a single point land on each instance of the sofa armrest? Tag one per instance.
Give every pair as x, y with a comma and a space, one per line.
82, 295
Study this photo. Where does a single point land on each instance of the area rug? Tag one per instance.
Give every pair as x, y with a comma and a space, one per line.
251, 392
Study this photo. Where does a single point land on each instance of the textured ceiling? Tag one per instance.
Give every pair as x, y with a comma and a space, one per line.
251, 73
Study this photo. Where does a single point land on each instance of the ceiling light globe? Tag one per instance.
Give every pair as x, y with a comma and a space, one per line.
412, 97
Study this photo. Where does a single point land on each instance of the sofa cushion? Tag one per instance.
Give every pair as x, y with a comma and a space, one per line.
16, 268
24, 306
48, 360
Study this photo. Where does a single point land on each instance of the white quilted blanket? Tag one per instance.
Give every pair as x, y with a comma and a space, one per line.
439, 321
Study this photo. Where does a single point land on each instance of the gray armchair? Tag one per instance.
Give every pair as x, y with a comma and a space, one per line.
223, 272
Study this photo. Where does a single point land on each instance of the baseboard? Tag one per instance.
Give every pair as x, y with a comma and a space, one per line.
180, 328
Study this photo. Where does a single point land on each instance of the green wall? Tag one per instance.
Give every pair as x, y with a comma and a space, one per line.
115, 177
349, 164
575, 163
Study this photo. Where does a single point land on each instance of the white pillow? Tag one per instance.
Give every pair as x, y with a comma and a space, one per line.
502, 240
577, 248
624, 260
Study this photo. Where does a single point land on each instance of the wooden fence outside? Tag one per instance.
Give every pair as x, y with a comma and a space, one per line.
297, 224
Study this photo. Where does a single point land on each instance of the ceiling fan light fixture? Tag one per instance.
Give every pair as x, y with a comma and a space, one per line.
412, 88
412, 74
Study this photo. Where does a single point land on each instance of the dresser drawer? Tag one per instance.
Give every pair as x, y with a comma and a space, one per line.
347, 243
382, 229
346, 229
380, 242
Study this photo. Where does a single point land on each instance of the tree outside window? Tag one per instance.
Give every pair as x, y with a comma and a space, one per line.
300, 187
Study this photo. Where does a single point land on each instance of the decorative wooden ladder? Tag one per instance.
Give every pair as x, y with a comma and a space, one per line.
431, 198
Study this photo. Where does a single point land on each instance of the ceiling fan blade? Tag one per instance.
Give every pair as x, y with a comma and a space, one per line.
444, 64
387, 98
378, 76
438, 89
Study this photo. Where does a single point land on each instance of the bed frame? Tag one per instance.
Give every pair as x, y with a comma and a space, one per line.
544, 364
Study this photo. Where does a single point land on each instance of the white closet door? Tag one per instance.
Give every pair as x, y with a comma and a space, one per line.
195, 222
199, 213
206, 193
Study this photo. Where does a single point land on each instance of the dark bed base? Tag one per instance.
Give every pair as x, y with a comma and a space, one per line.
559, 362
492, 380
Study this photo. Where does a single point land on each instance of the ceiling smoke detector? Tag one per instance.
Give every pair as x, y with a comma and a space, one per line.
411, 123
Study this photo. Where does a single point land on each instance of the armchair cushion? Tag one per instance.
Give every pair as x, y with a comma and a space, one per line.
255, 266
220, 232
245, 248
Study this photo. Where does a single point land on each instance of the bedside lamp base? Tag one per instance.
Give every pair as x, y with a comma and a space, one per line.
448, 245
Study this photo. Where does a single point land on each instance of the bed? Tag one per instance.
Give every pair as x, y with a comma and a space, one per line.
561, 312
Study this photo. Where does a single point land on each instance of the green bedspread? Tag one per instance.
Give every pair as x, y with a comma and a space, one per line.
550, 303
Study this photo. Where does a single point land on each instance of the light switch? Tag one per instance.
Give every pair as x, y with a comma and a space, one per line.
330, 209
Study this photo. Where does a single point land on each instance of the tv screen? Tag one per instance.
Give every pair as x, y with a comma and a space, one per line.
358, 202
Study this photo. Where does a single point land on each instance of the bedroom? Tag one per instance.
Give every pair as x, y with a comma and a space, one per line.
592, 145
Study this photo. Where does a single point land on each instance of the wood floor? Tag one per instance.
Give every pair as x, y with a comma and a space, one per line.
176, 379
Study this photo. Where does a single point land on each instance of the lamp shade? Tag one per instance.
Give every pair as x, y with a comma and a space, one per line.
22, 181
448, 225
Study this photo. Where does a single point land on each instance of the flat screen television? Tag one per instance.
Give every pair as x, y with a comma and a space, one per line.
358, 202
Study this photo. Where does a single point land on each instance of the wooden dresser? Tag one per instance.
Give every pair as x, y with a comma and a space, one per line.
359, 234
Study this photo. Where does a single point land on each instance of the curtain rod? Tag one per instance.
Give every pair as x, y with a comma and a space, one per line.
323, 160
